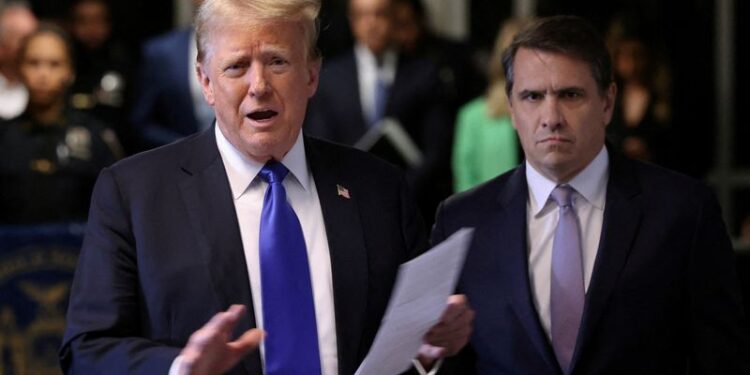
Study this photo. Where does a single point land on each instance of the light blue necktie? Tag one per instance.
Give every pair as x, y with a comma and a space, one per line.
567, 289
291, 346
381, 98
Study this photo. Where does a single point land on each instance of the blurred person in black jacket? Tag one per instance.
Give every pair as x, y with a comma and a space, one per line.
167, 101
456, 70
373, 86
51, 154
102, 65
642, 118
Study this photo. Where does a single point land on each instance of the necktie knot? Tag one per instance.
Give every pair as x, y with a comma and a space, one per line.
273, 172
563, 195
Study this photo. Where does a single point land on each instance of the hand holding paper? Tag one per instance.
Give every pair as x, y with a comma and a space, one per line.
452, 332
417, 312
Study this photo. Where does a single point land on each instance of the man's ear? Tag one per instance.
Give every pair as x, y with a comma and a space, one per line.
511, 110
313, 75
609, 102
206, 87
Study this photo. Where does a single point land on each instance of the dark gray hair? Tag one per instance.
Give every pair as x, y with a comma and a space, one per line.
568, 35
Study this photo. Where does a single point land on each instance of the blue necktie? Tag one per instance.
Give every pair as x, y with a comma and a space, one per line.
567, 294
291, 346
381, 98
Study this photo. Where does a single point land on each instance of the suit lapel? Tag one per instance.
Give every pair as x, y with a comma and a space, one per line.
509, 228
622, 217
210, 206
347, 251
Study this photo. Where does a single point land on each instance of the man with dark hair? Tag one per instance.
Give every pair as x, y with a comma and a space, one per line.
373, 85
457, 71
584, 262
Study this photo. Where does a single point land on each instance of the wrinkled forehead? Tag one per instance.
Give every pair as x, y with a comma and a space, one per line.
214, 30
270, 35
553, 70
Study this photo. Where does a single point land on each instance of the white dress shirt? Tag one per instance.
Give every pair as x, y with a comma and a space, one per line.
542, 215
13, 98
248, 190
369, 72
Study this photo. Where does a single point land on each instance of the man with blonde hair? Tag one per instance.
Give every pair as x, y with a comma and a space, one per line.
194, 250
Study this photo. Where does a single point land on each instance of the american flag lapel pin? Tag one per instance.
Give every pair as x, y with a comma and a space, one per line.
342, 191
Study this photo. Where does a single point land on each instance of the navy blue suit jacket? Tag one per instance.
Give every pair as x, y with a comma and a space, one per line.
163, 254
663, 297
163, 108
416, 99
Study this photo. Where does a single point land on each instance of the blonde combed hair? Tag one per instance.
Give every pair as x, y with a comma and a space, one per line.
213, 14
497, 98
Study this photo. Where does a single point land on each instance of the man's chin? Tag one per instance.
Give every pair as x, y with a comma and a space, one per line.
265, 145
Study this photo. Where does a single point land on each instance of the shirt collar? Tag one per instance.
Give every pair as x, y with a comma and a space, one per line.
242, 170
590, 183
386, 71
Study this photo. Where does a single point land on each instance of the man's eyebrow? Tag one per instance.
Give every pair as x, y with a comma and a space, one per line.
237, 54
530, 91
570, 89
576, 89
274, 49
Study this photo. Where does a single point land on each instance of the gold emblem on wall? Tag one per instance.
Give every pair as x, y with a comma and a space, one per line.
35, 282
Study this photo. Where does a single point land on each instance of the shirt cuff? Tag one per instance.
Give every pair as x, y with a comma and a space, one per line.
420, 369
176, 368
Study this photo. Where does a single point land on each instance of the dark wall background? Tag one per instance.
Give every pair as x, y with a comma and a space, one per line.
684, 30
133, 20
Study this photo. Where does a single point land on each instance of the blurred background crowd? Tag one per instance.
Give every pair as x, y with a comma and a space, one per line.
84, 83
431, 66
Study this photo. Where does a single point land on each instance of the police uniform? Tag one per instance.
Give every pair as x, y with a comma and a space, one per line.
47, 171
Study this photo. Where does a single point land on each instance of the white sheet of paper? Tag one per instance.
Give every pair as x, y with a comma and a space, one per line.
419, 297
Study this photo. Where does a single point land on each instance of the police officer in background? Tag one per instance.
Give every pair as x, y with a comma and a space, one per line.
51, 154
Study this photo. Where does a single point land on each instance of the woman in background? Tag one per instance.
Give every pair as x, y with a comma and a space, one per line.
485, 144
50, 155
642, 117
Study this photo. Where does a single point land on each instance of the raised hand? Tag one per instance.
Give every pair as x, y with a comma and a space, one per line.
209, 350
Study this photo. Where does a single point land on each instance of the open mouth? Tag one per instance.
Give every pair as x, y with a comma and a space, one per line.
262, 115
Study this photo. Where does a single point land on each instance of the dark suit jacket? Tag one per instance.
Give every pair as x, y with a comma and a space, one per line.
663, 296
163, 108
163, 254
416, 99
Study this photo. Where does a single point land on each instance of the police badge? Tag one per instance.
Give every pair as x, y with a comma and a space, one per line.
78, 141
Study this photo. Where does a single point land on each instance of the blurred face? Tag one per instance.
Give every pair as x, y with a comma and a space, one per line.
259, 81
91, 24
406, 29
45, 70
17, 24
631, 59
558, 112
371, 23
